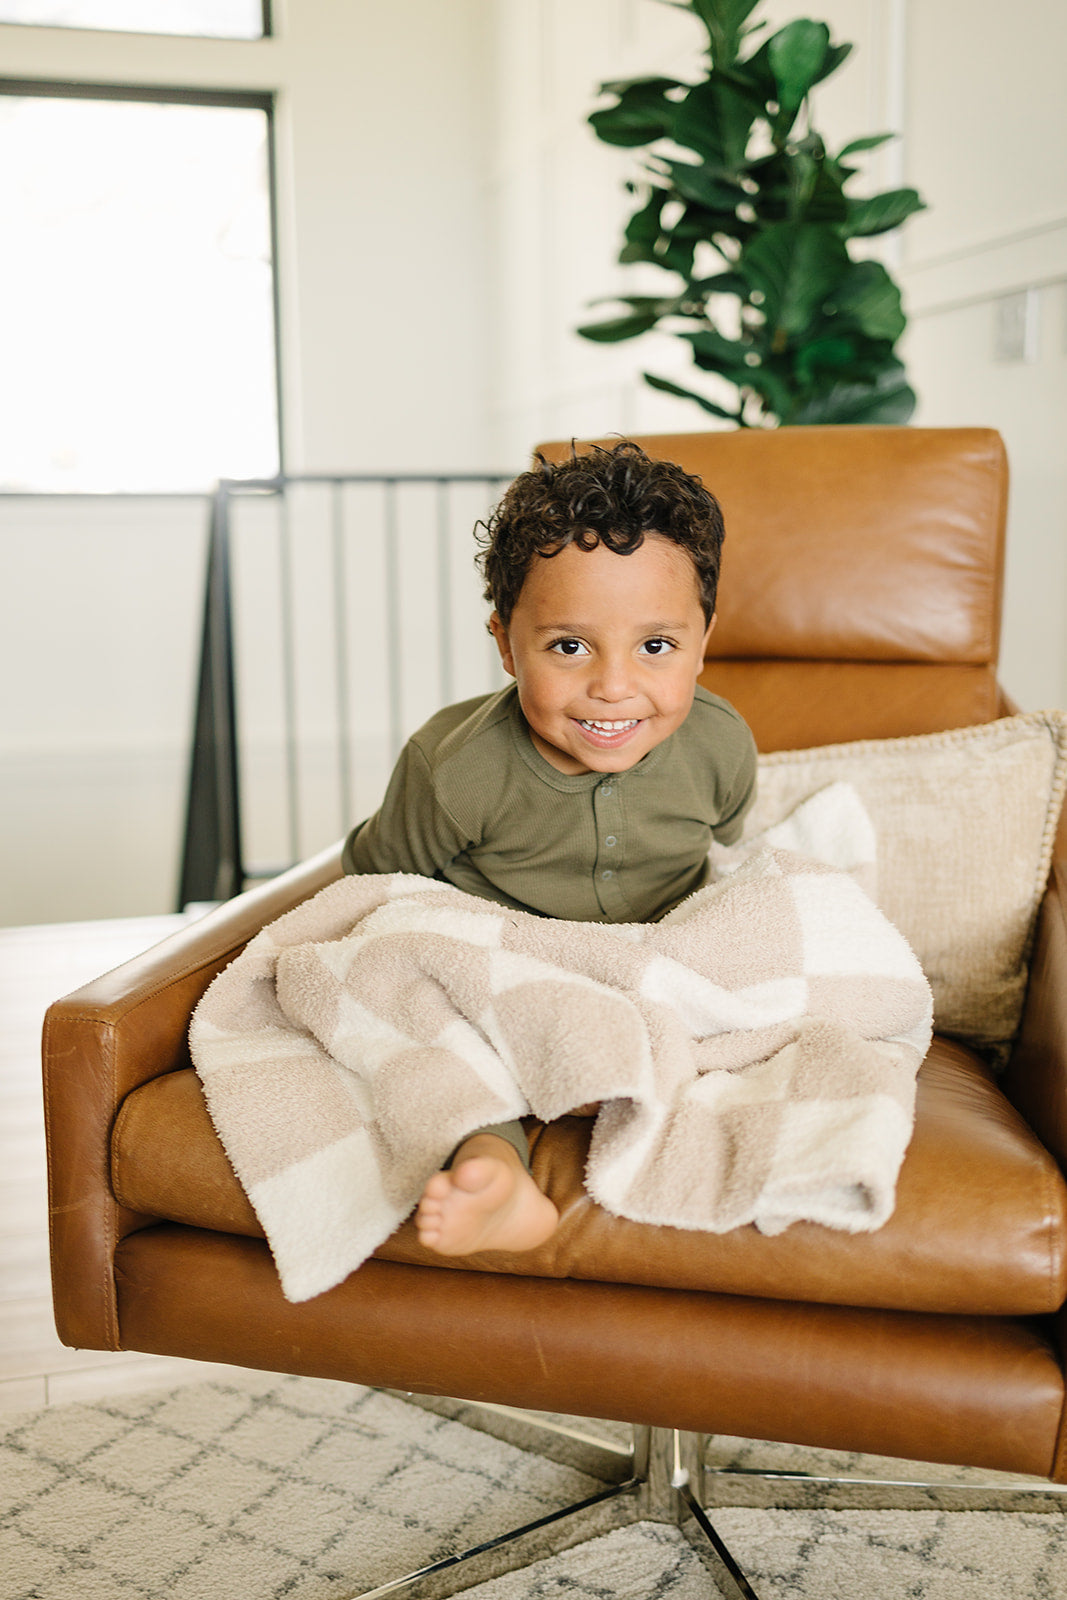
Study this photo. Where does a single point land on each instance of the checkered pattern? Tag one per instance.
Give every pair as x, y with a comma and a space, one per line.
754, 1054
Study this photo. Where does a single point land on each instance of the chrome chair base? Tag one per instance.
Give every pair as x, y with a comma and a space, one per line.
663, 1478
659, 1480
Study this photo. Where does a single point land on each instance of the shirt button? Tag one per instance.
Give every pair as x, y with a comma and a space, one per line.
607, 873
611, 839
605, 789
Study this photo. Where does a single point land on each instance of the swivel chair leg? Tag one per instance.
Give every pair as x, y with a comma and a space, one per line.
662, 1482
669, 1465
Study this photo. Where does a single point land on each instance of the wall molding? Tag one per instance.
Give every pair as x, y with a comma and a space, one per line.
1027, 258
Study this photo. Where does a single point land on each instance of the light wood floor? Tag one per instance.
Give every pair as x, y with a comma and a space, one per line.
37, 965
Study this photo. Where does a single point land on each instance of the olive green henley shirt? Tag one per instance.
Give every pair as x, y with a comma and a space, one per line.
472, 801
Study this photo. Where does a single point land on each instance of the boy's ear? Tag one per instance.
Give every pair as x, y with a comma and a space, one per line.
500, 634
708, 633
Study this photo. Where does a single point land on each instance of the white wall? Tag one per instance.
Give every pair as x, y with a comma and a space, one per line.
98, 631
980, 100
987, 143
381, 135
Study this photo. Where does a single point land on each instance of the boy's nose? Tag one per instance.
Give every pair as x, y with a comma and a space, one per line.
612, 680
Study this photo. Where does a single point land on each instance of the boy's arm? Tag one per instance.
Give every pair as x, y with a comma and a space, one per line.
738, 797
412, 831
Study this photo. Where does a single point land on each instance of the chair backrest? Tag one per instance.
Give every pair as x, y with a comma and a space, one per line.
862, 576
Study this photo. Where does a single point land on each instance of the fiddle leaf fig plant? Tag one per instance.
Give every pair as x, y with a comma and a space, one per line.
742, 201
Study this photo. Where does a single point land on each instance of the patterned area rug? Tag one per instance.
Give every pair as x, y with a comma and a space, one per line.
265, 1487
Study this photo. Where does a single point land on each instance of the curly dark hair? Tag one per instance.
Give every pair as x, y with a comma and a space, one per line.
603, 496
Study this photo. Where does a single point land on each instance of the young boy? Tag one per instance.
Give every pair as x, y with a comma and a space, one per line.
589, 789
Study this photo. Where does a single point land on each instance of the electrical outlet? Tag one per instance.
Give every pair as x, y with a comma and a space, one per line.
1015, 326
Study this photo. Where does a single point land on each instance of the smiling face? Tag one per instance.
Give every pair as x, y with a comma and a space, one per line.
606, 650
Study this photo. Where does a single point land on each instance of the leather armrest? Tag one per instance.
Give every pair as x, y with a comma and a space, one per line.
1036, 1077
107, 1039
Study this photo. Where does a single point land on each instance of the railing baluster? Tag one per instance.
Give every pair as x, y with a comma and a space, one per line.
395, 688
289, 713
211, 867
340, 624
494, 487
212, 860
444, 593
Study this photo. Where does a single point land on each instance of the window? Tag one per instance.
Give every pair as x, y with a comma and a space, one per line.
217, 19
136, 291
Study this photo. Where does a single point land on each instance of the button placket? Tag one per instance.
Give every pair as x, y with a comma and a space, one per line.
607, 817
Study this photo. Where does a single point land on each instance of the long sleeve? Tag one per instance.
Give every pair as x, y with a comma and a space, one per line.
412, 831
738, 796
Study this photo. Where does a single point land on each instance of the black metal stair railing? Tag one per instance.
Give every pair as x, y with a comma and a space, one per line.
214, 863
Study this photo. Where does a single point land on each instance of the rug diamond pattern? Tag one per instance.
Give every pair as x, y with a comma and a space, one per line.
264, 1487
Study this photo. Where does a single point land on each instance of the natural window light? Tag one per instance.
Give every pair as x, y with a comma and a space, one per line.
218, 19
136, 295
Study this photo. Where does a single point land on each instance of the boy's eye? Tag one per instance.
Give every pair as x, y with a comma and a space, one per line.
657, 647
569, 647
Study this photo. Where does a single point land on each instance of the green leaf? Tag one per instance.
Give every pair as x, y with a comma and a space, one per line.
867, 298
715, 121
617, 328
832, 60
753, 77
775, 391
721, 283
870, 143
794, 267
702, 185
798, 187
881, 212
698, 222
645, 311
677, 255
627, 128
713, 352
724, 13
687, 394
839, 171
643, 229
741, 364
823, 355
659, 303
826, 202
796, 55
642, 112
675, 248
724, 20
890, 400
623, 86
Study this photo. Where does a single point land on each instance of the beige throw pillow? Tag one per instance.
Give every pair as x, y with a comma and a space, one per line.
964, 823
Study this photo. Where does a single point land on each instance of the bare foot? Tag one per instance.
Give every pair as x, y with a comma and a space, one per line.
485, 1201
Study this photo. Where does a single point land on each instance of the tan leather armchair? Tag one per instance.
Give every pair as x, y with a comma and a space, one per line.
860, 598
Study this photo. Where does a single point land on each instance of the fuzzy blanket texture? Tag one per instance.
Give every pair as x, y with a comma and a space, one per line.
753, 1054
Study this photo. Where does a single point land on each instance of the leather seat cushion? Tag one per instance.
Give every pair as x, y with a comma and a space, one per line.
980, 1224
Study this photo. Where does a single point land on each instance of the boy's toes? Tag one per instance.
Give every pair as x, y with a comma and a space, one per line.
473, 1175
428, 1222
438, 1188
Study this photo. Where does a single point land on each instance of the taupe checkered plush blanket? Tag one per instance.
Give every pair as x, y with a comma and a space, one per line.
753, 1054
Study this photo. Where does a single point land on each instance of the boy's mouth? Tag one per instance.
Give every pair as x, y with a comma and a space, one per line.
606, 733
